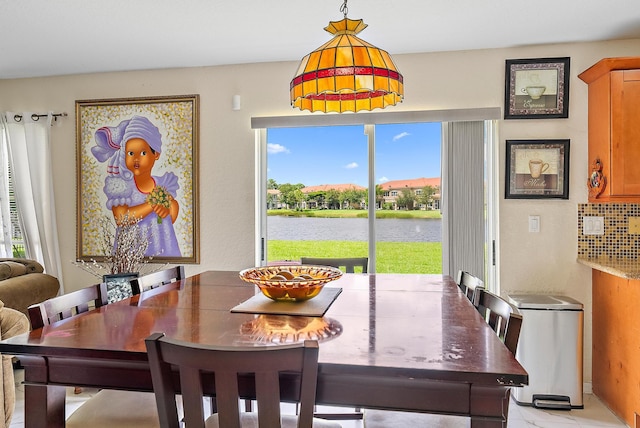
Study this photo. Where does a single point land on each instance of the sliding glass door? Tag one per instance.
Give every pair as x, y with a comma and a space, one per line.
319, 204
408, 225
343, 189
316, 193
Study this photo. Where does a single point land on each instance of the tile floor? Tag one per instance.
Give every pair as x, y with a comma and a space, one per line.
594, 414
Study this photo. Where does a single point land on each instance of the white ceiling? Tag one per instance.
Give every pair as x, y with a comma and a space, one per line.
57, 37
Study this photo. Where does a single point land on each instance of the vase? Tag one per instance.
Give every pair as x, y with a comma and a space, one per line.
119, 286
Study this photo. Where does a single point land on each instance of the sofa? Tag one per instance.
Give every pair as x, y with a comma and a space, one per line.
23, 283
12, 323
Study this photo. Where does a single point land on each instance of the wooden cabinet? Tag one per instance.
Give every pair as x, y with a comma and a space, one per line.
616, 344
614, 126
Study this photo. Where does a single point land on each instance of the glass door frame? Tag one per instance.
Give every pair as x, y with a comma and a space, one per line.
369, 120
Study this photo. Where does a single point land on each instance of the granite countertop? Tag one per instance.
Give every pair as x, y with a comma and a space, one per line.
625, 268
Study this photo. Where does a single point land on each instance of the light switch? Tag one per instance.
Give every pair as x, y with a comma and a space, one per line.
634, 225
534, 223
592, 225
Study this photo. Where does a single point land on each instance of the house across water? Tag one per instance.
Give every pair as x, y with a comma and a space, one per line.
417, 193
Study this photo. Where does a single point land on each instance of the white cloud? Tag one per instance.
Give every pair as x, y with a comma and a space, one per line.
383, 180
352, 165
400, 135
273, 149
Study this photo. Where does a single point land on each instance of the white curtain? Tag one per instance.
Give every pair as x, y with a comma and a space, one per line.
30, 156
5, 213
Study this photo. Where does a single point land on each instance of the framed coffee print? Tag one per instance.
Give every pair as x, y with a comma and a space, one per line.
537, 88
537, 169
137, 162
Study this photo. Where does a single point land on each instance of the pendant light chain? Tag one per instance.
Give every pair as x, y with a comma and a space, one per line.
344, 9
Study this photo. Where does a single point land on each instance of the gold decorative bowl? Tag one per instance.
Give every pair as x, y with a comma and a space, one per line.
293, 283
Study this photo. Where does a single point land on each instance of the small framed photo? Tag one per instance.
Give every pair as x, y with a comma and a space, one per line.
537, 169
537, 88
119, 286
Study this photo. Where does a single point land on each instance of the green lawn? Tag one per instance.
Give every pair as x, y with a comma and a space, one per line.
392, 257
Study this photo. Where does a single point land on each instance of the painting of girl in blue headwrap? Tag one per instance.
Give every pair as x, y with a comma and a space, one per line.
130, 150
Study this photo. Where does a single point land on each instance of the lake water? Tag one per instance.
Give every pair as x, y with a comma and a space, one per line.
353, 229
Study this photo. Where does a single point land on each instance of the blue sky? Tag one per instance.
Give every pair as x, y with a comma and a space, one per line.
338, 154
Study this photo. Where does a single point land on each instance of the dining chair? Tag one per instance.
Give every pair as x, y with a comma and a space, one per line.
502, 317
67, 305
156, 279
107, 408
348, 263
263, 364
469, 284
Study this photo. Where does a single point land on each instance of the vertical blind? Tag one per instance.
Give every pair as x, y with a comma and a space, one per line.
463, 183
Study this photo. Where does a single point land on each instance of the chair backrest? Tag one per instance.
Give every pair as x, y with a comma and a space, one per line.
502, 317
194, 362
348, 263
156, 279
469, 284
65, 306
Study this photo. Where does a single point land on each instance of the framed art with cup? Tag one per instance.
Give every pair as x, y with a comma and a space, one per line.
537, 88
537, 169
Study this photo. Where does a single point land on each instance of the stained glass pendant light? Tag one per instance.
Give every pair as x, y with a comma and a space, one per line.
346, 73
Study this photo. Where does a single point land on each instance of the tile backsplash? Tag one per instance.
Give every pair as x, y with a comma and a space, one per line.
616, 241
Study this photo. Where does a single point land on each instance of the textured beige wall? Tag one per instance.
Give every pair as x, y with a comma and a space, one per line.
529, 262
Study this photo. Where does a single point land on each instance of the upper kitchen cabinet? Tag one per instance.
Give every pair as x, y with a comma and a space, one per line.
614, 128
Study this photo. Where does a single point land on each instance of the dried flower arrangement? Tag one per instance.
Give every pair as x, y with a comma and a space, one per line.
124, 247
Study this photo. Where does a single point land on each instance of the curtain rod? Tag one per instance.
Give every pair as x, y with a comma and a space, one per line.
35, 117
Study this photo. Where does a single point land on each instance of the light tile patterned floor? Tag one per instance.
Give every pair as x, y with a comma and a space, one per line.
594, 414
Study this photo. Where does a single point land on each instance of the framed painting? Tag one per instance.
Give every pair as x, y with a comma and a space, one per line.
537, 88
537, 169
137, 158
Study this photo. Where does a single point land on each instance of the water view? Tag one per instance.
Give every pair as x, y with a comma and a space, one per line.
353, 229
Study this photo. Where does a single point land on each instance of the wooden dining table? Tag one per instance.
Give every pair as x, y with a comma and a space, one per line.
388, 341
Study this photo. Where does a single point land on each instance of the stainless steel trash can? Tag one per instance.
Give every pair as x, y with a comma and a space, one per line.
550, 349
